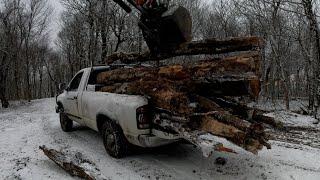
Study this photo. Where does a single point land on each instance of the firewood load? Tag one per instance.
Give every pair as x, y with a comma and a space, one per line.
201, 96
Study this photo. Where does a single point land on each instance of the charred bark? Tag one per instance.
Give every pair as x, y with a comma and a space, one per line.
232, 76
243, 111
209, 46
74, 165
189, 95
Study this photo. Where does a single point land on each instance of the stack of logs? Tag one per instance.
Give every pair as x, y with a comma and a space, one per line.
201, 96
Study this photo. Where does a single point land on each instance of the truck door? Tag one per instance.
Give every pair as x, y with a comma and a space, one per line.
72, 97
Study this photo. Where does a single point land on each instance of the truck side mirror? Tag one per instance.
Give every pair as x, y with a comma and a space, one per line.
62, 87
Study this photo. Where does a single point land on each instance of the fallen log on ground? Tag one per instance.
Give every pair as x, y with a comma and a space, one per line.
75, 165
209, 46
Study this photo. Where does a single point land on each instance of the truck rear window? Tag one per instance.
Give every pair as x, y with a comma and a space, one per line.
93, 76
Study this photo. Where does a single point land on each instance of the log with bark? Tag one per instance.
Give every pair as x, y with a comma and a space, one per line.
220, 123
209, 47
188, 92
205, 141
243, 111
75, 165
240, 72
193, 98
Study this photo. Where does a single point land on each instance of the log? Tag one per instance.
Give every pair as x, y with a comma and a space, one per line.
245, 112
209, 46
75, 165
208, 124
186, 92
222, 115
215, 127
161, 93
229, 86
170, 87
220, 119
250, 143
201, 139
173, 95
233, 76
221, 123
258, 116
235, 65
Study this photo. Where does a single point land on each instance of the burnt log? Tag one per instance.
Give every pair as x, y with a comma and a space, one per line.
188, 92
170, 87
235, 65
245, 112
239, 131
208, 143
209, 46
232, 76
75, 165
221, 114
251, 139
250, 142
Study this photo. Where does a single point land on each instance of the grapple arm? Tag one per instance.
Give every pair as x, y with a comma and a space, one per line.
123, 5
127, 8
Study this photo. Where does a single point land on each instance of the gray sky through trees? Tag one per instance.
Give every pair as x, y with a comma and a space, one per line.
55, 25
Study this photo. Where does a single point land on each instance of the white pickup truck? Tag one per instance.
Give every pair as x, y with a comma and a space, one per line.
121, 119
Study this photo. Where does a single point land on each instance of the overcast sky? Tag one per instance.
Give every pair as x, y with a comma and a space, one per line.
55, 25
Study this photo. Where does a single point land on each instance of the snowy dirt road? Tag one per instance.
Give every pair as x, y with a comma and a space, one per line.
24, 127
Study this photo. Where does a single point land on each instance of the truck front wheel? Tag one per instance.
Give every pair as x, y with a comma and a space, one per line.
65, 122
114, 140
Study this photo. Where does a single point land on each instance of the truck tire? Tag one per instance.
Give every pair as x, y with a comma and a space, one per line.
114, 140
65, 122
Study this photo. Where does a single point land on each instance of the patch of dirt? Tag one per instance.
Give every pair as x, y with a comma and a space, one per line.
21, 163
297, 135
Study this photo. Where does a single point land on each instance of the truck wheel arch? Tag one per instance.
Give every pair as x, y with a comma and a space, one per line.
101, 119
60, 106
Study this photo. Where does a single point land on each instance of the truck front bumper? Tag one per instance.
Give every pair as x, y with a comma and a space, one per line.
57, 109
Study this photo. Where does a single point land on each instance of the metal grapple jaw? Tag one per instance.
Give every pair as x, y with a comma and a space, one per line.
164, 29
165, 33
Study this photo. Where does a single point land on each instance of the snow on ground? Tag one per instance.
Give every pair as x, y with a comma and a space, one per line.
293, 119
26, 126
279, 105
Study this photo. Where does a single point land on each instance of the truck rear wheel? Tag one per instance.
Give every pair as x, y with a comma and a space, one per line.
114, 140
65, 122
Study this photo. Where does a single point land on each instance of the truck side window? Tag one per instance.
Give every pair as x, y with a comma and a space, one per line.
93, 76
74, 85
93, 79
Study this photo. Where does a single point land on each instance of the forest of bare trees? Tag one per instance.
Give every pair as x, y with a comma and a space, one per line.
93, 29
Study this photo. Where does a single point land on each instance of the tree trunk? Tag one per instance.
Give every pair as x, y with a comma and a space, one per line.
4, 100
314, 28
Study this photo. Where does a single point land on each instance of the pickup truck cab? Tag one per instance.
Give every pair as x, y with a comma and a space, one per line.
121, 119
